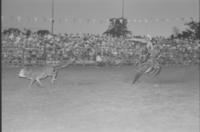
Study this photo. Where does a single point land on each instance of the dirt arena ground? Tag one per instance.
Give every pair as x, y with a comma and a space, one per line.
90, 99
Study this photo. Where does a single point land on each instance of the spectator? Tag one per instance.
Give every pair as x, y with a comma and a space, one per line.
99, 60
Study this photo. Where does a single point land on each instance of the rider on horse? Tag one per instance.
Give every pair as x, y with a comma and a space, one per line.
150, 65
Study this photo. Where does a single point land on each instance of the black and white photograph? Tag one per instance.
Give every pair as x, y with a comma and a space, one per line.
100, 65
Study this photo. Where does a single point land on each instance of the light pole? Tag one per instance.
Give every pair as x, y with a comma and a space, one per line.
122, 8
52, 16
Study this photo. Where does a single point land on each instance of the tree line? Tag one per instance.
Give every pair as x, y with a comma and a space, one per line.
192, 31
118, 28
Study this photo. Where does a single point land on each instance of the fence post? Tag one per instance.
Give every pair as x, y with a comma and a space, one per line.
55, 54
23, 56
44, 53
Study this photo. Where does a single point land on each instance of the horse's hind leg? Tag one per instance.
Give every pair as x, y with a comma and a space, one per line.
137, 76
39, 82
31, 83
53, 79
157, 71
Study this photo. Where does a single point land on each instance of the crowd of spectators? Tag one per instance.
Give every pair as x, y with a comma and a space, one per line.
86, 48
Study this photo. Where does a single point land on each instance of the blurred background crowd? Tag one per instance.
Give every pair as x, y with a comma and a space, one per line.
35, 48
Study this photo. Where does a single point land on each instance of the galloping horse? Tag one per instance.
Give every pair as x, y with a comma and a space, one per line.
151, 64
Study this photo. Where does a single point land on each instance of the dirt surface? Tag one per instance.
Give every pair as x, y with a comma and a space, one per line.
90, 99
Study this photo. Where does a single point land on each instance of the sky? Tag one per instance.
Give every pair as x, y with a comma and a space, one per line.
91, 16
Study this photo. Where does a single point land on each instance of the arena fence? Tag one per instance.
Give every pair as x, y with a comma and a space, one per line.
44, 55
25, 52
